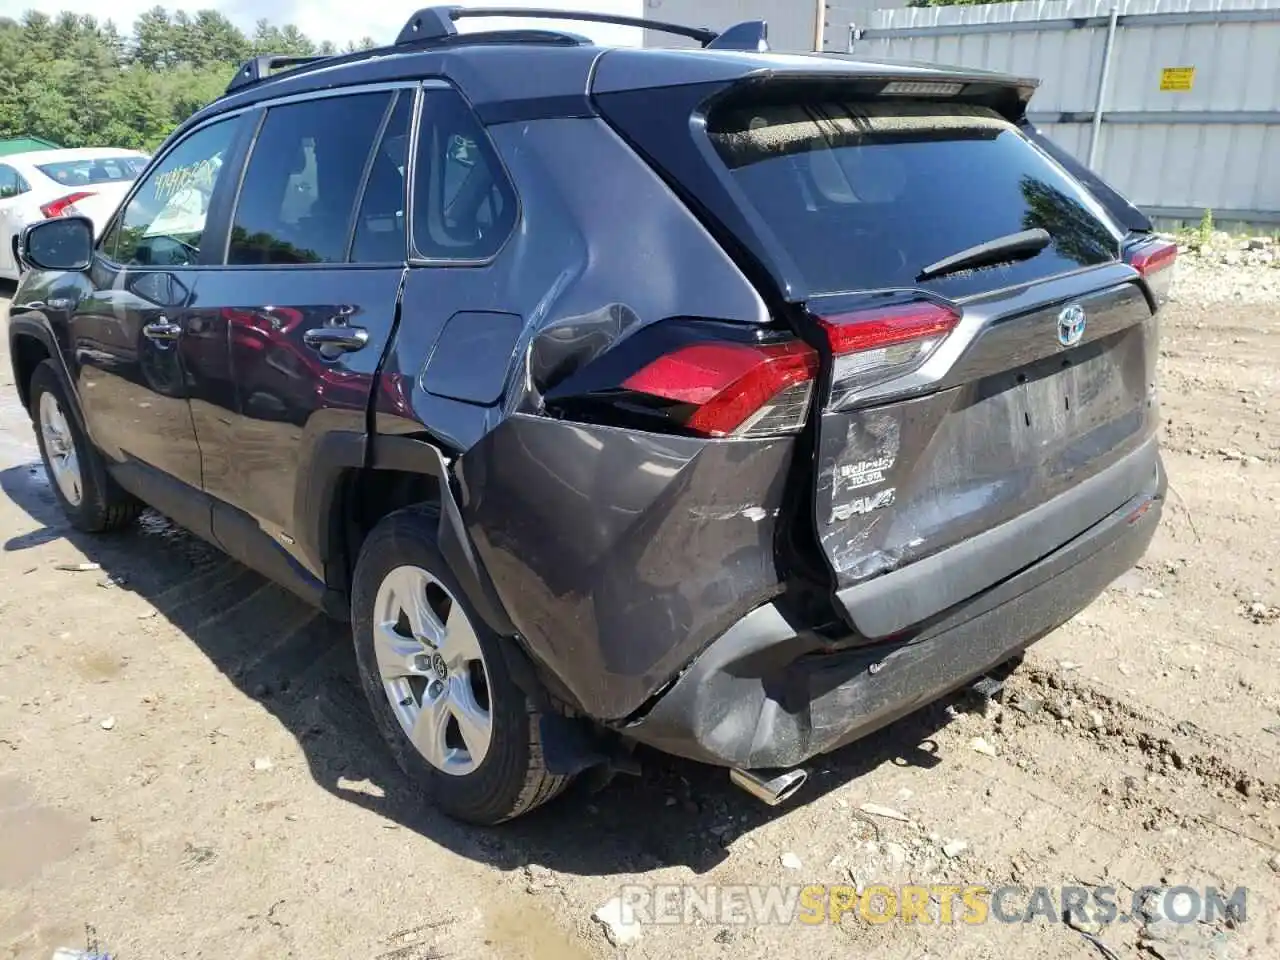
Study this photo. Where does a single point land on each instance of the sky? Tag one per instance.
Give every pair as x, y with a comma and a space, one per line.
336, 20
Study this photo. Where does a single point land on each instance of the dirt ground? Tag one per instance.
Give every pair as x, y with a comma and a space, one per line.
187, 768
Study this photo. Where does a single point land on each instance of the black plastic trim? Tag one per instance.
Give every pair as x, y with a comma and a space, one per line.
543, 108
242, 537
317, 489
23, 326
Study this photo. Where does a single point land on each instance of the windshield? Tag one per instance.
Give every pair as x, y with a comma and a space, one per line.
865, 195
87, 172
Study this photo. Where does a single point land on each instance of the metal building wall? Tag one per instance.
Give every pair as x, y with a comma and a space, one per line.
791, 22
1173, 152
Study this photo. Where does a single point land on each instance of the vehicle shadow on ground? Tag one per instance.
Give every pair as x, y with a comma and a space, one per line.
300, 667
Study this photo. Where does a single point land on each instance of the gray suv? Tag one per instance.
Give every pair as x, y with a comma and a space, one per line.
728, 402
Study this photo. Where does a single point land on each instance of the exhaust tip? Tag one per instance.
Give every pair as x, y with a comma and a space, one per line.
770, 792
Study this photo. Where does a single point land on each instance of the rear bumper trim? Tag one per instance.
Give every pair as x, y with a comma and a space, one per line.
765, 695
892, 602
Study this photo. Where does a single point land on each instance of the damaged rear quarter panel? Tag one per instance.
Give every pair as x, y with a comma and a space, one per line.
618, 554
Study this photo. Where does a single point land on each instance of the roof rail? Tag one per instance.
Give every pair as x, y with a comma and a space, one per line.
259, 68
435, 23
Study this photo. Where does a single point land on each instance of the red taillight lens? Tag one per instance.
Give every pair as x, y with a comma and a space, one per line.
881, 343
59, 207
1153, 257
738, 389
887, 326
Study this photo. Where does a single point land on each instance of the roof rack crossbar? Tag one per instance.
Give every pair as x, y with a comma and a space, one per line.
434, 23
259, 68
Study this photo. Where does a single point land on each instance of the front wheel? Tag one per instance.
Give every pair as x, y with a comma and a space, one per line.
91, 500
440, 690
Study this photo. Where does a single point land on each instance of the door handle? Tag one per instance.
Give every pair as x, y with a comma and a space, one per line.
163, 330
331, 341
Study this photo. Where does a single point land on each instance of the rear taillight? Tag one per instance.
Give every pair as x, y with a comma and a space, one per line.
1153, 257
881, 343
734, 389
1154, 260
64, 205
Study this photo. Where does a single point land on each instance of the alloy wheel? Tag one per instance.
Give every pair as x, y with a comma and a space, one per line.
433, 670
60, 449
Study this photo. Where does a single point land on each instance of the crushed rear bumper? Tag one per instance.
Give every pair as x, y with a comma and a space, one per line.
766, 695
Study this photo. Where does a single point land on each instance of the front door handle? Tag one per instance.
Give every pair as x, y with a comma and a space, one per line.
331, 341
162, 330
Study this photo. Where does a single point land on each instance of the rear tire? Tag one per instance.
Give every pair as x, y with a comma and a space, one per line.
437, 682
91, 500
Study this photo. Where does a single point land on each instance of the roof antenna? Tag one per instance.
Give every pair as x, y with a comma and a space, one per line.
749, 35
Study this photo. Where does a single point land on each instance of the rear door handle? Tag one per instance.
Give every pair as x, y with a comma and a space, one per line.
163, 330
331, 341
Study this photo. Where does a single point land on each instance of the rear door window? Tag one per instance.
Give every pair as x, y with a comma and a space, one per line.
298, 198
380, 225
864, 195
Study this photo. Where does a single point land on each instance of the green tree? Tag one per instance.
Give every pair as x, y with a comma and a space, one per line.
79, 82
153, 37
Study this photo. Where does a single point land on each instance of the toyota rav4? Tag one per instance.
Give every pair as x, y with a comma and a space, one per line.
724, 401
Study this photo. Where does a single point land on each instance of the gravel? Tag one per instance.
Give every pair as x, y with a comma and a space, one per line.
1228, 270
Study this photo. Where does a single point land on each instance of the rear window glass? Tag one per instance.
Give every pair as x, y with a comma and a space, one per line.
865, 195
463, 205
85, 173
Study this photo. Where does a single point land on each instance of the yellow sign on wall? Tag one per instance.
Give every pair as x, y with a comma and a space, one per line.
1177, 79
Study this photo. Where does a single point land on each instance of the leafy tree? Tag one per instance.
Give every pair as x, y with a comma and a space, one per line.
153, 39
79, 82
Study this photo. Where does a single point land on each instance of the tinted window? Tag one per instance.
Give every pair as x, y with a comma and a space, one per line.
84, 173
10, 183
164, 220
864, 195
380, 227
300, 187
463, 205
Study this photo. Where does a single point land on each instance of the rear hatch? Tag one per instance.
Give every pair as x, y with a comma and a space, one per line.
987, 345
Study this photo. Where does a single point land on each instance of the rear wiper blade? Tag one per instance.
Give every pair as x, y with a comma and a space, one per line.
1015, 246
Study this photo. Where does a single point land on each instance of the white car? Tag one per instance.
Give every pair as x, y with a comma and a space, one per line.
88, 181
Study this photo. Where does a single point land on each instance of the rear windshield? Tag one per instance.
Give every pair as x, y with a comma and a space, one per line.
85, 173
864, 195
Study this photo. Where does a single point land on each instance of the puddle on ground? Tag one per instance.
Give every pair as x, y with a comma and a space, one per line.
31, 836
522, 931
99, 666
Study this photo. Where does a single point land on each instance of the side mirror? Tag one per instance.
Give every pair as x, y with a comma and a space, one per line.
64, 243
